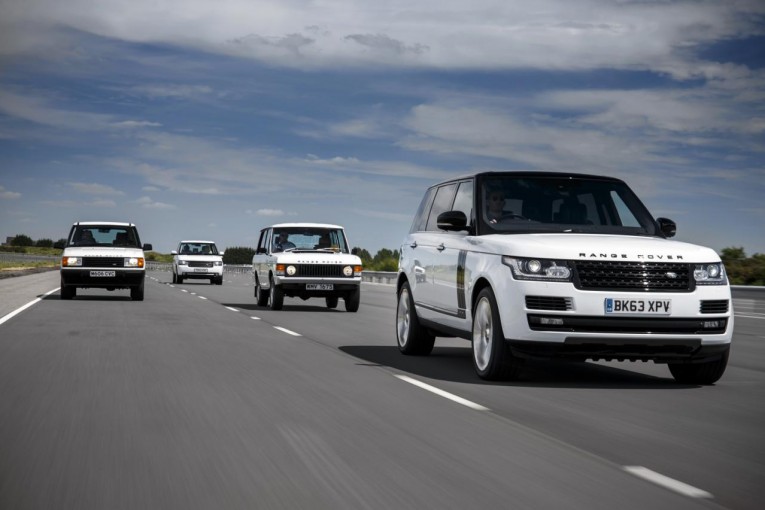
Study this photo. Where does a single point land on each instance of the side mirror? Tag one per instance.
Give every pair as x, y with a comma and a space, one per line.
221, 253
174, 252
355, 251
147, 247
667, 227
452, 220
261, 250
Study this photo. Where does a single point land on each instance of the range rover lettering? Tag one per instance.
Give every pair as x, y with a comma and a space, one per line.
552, 265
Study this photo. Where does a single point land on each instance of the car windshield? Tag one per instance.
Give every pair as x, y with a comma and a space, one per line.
104, 235
309, 239
525, 204
195, 248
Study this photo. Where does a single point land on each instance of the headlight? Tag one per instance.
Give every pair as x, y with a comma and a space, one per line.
182, 263
709, 274
348, 271
539, 269
218, 263
133, 261
291, 270
71, 261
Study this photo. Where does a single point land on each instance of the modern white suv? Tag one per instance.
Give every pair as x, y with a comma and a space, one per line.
558, 265
103, 255
197, 259
306, 260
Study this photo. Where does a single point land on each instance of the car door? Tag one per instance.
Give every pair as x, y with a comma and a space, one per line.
262, 255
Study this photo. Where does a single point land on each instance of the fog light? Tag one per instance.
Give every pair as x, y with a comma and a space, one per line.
550, 321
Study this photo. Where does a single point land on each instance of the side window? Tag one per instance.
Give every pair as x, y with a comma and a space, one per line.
262, 245
421, 217
464, 200
441, 203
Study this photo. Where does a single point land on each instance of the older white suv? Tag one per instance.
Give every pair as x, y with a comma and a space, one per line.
306, 260
559, 266
103, 255
198, 260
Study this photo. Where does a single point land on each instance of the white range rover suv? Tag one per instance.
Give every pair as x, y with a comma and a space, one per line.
104, 255
552, 265
198, 259
306, 260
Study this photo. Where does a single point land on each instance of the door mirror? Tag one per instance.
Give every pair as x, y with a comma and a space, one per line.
261, 250
174, 252
147, 247
667, 227
355, 251
452, 220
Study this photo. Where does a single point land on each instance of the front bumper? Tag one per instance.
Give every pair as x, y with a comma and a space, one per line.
122, 279
297, 287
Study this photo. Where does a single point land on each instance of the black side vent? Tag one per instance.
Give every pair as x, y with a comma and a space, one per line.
548, 303
715, 306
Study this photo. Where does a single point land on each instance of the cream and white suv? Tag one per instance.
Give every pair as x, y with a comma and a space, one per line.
558, 265
104, 255
197, 260
306, 260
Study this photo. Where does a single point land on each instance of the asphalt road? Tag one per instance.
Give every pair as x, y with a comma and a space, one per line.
195, 398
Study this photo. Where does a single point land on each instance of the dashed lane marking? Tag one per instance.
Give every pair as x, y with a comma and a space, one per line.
667, 482
21, 309
442, 393
255, 318
232, 309
202, 297
285, 330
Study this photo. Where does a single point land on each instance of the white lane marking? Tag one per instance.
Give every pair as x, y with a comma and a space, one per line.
232, 309
184, 290
750, 316
255, 318
21, 309
172, 286
285, 330
667, 482
201, 297
442, 393
193, 293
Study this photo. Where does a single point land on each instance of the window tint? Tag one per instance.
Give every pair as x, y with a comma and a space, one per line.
104, 235
421, 216
464, 200
442, 203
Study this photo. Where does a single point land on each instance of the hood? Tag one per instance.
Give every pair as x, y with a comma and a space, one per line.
596, 247
100, 251
317, 257
200, 258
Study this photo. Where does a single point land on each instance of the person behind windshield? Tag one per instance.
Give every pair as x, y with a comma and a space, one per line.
283, 243
324, 242
495, 204
86, 237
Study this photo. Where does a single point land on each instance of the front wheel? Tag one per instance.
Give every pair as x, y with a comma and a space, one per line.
412, 337
332, 301
491, 358
353, 300
136, 293
261, 297
700, 373
67, 292
175, 278
277, 297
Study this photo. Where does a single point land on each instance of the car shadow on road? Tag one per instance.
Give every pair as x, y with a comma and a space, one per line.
455, 364
293, 308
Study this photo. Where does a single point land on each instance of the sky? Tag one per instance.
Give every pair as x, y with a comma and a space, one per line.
214, 119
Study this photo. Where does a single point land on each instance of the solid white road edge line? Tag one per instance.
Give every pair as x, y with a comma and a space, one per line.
21, 309
667, 482
285, 330
442, 393
232, 309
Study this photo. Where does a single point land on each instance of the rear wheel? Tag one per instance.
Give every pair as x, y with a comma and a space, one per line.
332, 301
700, 373
412, 337
353, 300
492, 360
261, 297
276, 296
136, 293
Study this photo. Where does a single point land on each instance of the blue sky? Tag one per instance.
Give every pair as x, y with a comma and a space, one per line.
199, 119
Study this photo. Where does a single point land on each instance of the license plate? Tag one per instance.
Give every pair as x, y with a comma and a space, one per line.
200, 270
614, 306
103, 274
320, 286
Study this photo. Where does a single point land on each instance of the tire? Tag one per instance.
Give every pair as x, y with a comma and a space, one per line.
492, 360
353, 300
67, 291
219, 281
136, 293
260, 297
175, 278
700, 373
332, 301
412, 338
276, 297
179, 279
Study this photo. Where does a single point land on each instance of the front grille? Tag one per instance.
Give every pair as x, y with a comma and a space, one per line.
715, 306
548, 303
320, 270
632, 276
103, 262
200, 264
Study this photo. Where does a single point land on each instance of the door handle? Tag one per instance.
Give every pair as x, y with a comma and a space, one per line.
413, 245
441, 247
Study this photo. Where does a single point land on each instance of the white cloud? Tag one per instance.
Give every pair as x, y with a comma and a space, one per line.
132, 124
98, 203
95, 189
269, 212
148, 203
8, 195
170, 90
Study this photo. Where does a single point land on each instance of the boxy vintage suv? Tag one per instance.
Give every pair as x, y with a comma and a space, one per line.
556, 265
104, 255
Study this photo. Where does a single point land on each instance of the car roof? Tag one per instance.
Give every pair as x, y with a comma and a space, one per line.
309, 225
111, 223
528, 173
196, 241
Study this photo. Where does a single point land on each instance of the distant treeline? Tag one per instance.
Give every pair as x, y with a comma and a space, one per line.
742, 270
